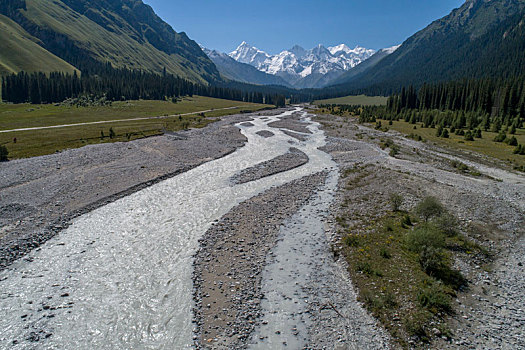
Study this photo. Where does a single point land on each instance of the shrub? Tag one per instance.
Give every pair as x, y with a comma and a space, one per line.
406, 221
439, 131
384, 253
429, 207
4, 153
447, 223
520, 149
364, 267
351, 240
468, 136
415, 325
500, 137
394, 150
434, 299
396, 201
432, 260
425, 236
477, 134
111, 133
513, 141
460, 166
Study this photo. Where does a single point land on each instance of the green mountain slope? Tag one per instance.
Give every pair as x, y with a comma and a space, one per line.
17, 45
125, 33
483, 38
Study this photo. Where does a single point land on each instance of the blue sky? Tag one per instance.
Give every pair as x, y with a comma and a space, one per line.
274, 25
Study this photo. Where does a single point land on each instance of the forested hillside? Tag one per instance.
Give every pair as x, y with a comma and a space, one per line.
481, 39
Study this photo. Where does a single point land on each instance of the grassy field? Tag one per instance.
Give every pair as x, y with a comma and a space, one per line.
360, 100
485, 145
40, 142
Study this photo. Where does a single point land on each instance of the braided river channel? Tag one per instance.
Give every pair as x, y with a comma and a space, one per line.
120, 277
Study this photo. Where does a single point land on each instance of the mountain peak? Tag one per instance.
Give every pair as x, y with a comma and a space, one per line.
246, 53
297, 63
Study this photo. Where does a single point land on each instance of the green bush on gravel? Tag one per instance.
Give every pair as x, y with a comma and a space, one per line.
4, 153
429, 207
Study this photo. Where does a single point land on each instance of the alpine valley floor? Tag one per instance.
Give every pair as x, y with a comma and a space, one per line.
224, 238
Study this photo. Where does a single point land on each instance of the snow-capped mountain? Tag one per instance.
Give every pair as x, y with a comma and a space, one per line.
304, 68
243, 72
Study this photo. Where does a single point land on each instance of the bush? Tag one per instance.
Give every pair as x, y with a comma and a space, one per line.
406, 221
429, 207
439, 131
425, 236
520, 149
394, 150
460, 166
4, 153
384, 253
513, 141
432, 260
500, 137
447, 223
396, 201
415, 325
351, 240
477, 134
468, 136
434, 299
111, 133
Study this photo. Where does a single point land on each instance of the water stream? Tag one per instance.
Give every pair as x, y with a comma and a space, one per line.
120, 276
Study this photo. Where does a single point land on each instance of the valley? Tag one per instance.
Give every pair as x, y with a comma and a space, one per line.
162, 190
257, 283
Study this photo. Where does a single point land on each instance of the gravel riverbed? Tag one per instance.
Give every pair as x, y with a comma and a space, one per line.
233, 253
490, 312
241, 255
40, 196
292, 159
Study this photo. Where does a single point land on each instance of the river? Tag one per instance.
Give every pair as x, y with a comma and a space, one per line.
121, 276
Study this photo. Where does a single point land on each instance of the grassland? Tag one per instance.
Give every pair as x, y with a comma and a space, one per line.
360, 100
17, 45
40, 142
485, 145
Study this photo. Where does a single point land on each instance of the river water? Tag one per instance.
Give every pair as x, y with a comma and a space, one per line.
120, 277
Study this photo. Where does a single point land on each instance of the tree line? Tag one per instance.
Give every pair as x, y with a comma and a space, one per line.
118, 84
467, 103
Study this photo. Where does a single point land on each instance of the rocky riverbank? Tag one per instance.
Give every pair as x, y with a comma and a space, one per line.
489, 202
40, 196
233, 253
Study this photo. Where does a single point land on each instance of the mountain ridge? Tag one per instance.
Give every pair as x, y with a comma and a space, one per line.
482, 38
125, 33
242, 72
300, 67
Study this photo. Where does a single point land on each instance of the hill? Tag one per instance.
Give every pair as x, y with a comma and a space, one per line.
16, 45
483, 38
125, 33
